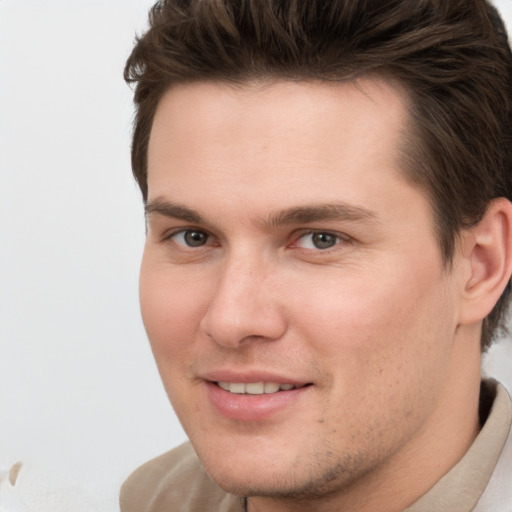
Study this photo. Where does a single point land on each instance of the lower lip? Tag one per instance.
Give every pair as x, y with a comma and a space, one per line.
245, 407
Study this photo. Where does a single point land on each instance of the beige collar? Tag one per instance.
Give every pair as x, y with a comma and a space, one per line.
462, 487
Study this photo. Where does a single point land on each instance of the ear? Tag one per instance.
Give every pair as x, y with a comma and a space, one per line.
488, 253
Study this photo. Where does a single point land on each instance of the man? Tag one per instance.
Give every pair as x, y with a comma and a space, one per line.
328, 251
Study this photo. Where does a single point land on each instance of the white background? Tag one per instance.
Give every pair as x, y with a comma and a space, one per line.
79, 391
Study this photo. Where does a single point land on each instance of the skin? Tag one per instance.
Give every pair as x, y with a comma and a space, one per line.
377, 324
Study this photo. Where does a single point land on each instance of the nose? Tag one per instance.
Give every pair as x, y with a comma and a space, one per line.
244, 305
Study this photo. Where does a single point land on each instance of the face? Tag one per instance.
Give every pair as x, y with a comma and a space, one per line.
292, 287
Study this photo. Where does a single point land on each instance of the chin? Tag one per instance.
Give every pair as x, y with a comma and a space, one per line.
276, 478
254, 485
284, 487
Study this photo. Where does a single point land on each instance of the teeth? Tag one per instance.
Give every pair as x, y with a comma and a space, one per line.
224, 385
237, 387
271, 387
254, 388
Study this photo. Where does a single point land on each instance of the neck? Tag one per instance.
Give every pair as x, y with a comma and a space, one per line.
417, 466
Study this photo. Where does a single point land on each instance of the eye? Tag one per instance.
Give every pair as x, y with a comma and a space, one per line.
319, 240
190, 237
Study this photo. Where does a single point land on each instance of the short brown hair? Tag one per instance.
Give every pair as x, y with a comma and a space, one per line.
452, 56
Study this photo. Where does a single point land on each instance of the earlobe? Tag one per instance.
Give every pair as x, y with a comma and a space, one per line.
488, 252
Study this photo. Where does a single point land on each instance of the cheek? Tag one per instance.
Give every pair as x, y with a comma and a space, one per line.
384, 356
171, 311
171, 307
387, 326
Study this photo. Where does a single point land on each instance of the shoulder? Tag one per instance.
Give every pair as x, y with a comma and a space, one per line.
497, 496
175, 480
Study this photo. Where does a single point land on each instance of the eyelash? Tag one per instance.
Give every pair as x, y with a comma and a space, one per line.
338, 238
183, 232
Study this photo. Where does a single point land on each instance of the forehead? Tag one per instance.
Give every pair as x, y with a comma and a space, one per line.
283, 136
304, 110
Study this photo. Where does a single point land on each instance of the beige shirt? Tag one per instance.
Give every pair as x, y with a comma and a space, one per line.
480, 482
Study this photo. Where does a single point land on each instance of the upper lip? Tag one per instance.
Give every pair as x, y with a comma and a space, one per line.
251, 376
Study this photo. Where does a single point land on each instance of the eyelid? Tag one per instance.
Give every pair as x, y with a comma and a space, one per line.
342, 237
168, 234
296, 236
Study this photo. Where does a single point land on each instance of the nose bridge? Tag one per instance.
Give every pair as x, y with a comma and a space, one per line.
244, 303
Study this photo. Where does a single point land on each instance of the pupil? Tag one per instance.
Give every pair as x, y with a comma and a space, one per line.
195, 238
323, 240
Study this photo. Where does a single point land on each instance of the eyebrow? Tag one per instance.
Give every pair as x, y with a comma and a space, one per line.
294, 215
321, 212
172, 210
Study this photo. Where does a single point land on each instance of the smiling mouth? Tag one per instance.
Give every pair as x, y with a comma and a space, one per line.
256, 388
